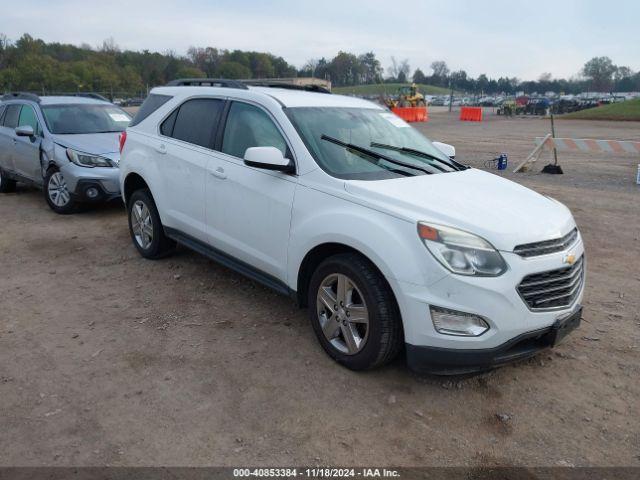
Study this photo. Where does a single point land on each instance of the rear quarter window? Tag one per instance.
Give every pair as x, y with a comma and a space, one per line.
152, 103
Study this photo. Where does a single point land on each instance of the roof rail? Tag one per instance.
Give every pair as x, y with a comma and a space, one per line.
95, 96
288, 86
206, 82
22, 96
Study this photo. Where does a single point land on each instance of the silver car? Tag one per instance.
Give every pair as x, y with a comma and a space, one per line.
66, 145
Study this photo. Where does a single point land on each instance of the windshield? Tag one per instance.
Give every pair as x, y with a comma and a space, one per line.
85, 118
370, 129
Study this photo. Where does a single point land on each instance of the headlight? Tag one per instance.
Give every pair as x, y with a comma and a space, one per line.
88, 160
462, 252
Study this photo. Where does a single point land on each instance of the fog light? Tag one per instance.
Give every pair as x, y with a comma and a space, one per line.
92, 192
452, 322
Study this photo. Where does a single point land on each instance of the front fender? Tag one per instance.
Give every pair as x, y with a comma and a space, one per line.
391, 243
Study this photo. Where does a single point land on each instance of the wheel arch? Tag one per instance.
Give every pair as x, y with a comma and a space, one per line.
316, 256
133, 182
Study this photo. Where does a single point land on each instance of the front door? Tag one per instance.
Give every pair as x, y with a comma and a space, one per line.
249, 209
26, 156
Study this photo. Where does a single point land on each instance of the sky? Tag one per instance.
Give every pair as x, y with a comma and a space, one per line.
496, 37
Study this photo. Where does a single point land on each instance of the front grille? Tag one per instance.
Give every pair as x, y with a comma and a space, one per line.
548, 246
553, 289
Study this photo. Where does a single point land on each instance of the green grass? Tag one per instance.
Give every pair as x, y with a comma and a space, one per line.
388, 89
629, 110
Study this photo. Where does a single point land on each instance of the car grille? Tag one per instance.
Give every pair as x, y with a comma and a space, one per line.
548, 246
553, 289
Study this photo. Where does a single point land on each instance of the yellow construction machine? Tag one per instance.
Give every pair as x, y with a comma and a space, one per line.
408, 96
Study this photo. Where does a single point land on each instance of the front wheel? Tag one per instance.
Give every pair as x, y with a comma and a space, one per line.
354, 313
146, 228
57, 194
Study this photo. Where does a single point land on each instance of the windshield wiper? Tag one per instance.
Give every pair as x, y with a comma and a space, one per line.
372, 154
451, 163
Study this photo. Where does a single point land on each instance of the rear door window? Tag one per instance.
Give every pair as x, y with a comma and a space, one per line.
12, 115
196, 121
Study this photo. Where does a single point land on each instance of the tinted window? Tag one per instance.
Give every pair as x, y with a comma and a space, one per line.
2, 108
85, 118
197, 120
11, 116
248, 126
167, 126
28, 117
150, 105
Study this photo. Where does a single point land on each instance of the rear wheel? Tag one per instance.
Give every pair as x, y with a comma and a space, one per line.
146, 228
57, 194
6, 184
354, 313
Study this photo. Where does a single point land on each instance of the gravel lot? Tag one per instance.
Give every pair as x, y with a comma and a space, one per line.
109, 359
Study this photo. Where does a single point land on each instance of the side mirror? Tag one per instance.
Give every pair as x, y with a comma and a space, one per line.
25, 131
268, 158
448, 150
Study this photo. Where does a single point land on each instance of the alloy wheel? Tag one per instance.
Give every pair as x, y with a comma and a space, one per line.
58, 192
343, 313
142, 224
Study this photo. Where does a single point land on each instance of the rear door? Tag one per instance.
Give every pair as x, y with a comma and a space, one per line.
26, 156
183, 154
8, 135
249, 209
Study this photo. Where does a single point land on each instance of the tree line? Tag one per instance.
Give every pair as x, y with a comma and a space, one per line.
32, 64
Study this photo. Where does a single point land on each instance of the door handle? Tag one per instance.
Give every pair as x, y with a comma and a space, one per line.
162, 148
218, 173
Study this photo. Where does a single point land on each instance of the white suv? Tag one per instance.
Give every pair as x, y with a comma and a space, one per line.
342, 205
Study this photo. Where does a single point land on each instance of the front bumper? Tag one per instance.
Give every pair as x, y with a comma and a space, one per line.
80, 179
450, 361
516, 331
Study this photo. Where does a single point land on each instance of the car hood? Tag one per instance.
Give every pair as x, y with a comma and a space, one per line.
499, 210
95, 143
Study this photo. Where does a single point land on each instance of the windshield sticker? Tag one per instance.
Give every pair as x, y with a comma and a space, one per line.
394, 120
119, 117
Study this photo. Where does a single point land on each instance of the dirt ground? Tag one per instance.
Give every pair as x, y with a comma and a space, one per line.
109, 359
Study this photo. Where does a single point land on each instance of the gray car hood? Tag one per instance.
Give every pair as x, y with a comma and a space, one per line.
95, 143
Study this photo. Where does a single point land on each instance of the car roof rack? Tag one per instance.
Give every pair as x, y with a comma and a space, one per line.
22, 96
286, 85
95, 96
206, 82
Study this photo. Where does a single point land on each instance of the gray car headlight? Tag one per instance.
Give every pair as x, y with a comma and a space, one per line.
462, 252
87, 160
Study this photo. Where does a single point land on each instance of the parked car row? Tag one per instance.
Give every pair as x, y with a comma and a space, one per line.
392, 245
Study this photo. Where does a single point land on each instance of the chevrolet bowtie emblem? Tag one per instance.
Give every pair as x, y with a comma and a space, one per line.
570, 259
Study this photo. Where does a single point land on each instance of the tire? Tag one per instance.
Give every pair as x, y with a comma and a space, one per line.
56, 193
145, 227
375, 342
7, 185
